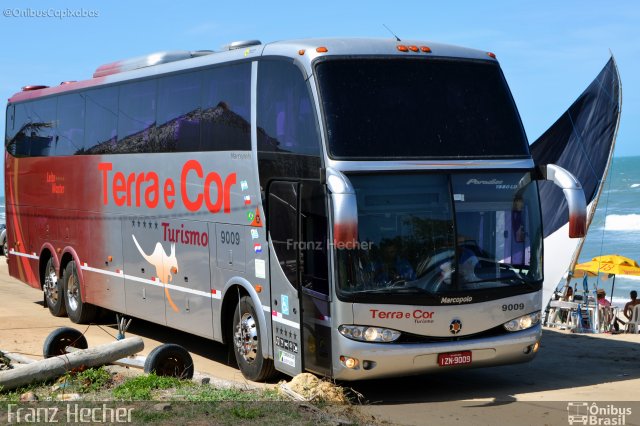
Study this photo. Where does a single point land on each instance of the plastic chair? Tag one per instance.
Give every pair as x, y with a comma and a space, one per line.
633, 325
605, 315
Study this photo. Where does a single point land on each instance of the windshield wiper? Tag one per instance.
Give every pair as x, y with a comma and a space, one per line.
397, 290
510, 280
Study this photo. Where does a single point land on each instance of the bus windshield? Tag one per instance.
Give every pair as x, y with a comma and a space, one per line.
440, 234
418, 108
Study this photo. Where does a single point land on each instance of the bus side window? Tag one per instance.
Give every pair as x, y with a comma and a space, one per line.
15, 135
136, 117
286, 117
101, 118
226, 108
314, 237
178, 118
283, 227
70, 135
38, 128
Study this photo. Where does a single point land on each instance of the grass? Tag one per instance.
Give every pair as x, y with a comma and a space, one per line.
91, 380
141, 387
181, 401
211, 394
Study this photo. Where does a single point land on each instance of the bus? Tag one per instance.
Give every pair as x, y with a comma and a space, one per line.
355, 208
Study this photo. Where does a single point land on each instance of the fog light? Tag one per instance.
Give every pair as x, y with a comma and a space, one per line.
368, 365
536, 346
349, 362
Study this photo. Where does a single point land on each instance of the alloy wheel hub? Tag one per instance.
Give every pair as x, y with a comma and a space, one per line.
246, 337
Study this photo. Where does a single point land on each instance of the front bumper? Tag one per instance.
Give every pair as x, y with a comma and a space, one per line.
390, 359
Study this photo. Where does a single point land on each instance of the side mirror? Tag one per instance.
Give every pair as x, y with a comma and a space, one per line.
345, 210
574, 195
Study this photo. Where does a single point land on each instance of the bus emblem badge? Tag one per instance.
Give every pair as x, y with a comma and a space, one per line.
455, 327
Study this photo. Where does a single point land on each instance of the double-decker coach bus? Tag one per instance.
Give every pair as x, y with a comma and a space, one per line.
355, 208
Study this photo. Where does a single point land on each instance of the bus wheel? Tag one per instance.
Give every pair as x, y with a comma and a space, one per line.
53, 291
60, 338
78, 311
170, 360
246, 343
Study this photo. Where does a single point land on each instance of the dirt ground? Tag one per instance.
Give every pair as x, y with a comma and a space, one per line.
25, 323
602, 369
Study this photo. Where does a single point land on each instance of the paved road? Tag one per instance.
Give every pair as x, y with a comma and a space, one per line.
567, 368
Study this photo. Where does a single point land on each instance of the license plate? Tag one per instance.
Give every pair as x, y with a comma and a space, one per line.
454, 358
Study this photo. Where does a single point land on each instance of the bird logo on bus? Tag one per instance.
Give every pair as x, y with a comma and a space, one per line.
166, 266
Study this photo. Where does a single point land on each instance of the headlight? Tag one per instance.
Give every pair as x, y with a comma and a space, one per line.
524, 322
364, 333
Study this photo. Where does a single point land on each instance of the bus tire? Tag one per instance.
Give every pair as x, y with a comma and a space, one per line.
170, 360
246, 343
60, 338
79, 312
53, 290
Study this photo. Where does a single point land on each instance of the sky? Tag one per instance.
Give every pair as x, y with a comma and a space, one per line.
549, 50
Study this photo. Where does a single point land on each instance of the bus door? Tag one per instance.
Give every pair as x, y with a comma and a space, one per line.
299, 277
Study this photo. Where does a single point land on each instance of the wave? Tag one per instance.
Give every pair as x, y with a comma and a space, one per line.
635, 185
622, 222
626, 278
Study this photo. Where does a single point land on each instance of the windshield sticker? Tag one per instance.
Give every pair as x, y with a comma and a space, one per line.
285, 304
261, 269
458, 197
484, 182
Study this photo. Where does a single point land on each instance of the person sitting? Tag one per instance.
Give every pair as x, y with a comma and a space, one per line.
601, 295
628, 308
393, 266
605, 311
467, 263
568, 294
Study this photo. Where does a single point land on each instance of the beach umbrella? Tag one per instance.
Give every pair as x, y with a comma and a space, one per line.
611, 264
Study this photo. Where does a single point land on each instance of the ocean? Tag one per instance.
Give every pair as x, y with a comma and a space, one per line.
615, 228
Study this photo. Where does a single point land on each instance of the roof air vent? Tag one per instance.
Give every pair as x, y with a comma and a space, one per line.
147, 61
33, 87
240, 44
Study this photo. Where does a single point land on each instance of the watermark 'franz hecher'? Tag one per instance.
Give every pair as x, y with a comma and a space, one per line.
320, 245
50, 13
70, 413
